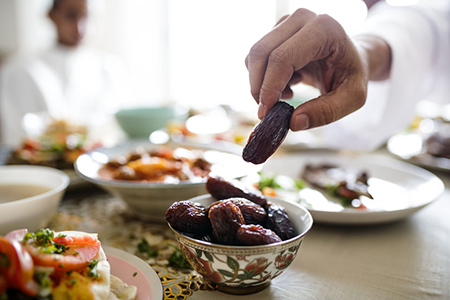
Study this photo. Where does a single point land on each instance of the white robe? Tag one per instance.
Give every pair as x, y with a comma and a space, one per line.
74, 83
419, 37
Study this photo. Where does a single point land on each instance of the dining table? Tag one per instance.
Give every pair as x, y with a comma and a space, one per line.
404, 259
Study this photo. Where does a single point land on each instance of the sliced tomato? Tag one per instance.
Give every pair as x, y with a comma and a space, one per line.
76, 258
16, 235
18, 266
3, 285
78, 240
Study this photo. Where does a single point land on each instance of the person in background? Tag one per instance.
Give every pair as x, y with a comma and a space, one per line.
370, 83
68, 81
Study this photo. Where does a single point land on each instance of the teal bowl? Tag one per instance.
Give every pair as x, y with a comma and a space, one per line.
142, 121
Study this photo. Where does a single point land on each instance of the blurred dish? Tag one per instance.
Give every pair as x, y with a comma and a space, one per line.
140, 122
412, 147
29, 196
233, 131
134, 271
53, 142
301, 140
153, 198
399, 189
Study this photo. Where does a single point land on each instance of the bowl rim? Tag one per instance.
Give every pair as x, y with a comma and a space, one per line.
262, 247
61, 187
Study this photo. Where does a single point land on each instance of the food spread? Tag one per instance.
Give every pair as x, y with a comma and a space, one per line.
57, 265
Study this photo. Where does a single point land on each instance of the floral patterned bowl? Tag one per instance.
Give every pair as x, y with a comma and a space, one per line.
245, 269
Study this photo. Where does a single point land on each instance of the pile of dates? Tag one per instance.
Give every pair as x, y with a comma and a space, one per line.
240, 217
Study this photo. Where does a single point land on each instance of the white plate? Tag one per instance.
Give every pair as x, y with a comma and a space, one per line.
134, 271
399, 189
409, 147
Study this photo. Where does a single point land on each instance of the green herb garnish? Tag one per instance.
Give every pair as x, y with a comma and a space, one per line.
267, 181
144, 247
43, 239
134, 274
42, 277
93, 266
72, 281
177, 259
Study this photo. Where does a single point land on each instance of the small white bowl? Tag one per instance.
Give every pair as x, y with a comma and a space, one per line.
245, 269
35, 211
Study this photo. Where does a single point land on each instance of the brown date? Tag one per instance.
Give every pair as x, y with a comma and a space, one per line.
221, 189
189, 217
268, 134
278, 221
226, 218
251, 235
252, 212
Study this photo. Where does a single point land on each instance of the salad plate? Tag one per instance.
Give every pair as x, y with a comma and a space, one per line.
398, 189
134, 271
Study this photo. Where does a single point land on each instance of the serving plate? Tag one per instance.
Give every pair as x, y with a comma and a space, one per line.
152, 199
408, 146
399, 189
225, 164
134, 271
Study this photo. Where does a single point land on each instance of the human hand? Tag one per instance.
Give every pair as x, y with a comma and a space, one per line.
313, 49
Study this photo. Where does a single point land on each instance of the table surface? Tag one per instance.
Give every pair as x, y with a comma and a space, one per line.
408, 259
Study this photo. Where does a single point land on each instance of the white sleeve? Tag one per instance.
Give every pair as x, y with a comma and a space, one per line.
419, 37
19, 94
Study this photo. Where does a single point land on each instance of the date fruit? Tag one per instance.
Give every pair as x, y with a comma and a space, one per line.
222, 189
252, 212
251, 235
268, 134
226, 218
278, 221
189, 217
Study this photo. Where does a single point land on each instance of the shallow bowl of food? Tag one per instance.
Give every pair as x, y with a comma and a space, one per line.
29, 196
245, 269
151, 196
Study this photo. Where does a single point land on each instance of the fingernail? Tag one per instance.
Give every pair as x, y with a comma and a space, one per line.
261, 110
301, 122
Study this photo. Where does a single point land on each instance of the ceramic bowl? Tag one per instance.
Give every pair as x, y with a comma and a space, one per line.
152, 199
142, 121
245, 269
34, 209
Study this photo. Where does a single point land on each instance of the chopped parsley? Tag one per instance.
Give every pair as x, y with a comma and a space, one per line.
275, 182
73, 281
44, 281
43, 239
93, 266
134, 274
4, 260
177, 259
144, 247
267, 181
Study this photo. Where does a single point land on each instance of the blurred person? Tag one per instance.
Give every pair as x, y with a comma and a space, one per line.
69, 80
370, 83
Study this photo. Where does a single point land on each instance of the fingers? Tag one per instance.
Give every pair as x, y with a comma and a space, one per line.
258, 57
347, 98
282, 19
315, 41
